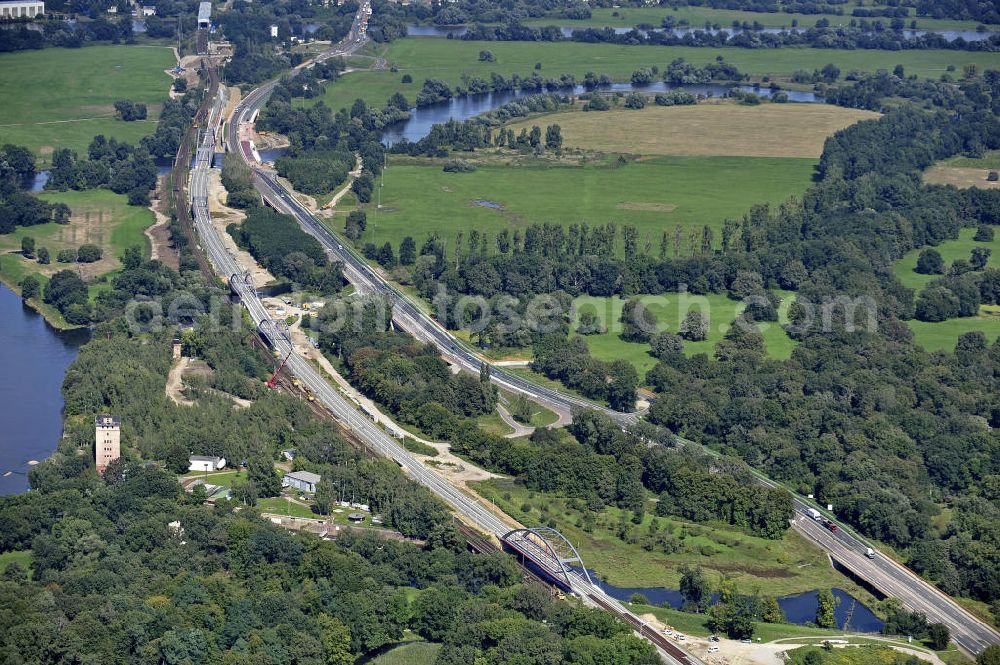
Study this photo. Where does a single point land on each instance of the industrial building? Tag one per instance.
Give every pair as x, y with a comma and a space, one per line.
304, 481
107, 441
205, 16
21, 8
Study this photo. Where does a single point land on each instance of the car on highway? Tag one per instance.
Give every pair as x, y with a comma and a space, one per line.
831, 526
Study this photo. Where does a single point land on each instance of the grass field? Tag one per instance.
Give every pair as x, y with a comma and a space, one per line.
655, 195
416, 653
991, 160
950, 250
20, 557
708, 129
778, 567
62, 98
100, 217
448, 59
697, 16
943, 335
670, 310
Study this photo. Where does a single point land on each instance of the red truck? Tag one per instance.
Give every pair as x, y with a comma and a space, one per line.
830, 525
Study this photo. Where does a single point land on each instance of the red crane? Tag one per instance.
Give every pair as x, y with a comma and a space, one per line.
274, 377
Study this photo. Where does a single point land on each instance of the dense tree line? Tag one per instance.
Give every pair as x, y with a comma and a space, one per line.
229, 586
280, 245
59, 33
816, 37
409, 378
18, 207
120, 167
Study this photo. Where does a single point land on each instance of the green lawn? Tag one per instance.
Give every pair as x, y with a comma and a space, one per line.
991, 160
697, 16
448, 59
20, 557
61, 98
961, 248
670, 309
222, 478
494, 424
281, 506
778, 567
655, 195
416, 653
943, 335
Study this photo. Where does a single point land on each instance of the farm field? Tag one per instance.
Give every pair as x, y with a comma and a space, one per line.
448, 59
62, 98
706, 129
696, 17
655, 195
670, 310
778, 567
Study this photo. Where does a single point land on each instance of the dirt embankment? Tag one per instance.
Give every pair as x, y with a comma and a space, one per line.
158, 234
223, 216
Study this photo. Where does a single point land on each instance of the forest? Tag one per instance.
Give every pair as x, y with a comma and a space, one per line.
280, 245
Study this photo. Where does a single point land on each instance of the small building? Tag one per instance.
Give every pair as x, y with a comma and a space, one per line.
107, 440
274, 31
356, 517
21, 8
304, 481
206, 463
204, 15
113, 9
148, 10
289, 454
176, 348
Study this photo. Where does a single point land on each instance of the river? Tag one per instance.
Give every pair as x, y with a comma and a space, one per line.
34, 358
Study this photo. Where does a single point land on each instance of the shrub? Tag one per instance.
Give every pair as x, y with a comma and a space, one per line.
89, 253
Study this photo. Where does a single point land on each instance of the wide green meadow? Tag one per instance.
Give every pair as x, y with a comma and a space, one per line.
654, 195
61, 98
627, 17
778, 567
448, 59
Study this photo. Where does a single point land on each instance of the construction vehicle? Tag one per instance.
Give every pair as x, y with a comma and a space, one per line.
274, 377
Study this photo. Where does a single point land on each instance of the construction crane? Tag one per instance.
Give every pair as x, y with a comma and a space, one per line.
274, 377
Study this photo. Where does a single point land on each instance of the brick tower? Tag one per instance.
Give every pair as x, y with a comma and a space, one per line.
108, 441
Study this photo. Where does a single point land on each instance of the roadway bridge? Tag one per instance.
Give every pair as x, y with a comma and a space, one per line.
548, 552
971, 634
